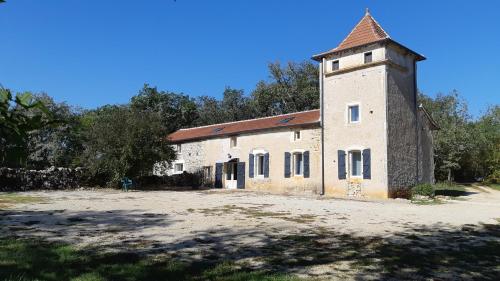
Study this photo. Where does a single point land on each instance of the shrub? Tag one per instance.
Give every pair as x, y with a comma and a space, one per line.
400, 192
493, 178
423, 189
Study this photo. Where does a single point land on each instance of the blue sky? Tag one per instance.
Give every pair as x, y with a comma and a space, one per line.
94, 52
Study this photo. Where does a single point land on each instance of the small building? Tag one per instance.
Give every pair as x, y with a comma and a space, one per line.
369, 138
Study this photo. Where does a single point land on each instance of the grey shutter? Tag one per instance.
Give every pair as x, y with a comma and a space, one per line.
306, 164
341, 160
241, 175
218, 175
266, 165
287, 164
367, 173
250, 165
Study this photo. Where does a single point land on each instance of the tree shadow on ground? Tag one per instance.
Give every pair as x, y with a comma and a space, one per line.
419, 252
75, 226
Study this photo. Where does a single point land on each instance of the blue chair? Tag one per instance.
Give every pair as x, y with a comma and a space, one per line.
126, 183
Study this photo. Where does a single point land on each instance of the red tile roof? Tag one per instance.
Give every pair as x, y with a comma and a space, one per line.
266, 123
367, 31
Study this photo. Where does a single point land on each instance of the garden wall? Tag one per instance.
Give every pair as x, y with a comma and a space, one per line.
49, 179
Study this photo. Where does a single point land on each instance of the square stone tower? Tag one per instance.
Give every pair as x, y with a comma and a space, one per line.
369, 114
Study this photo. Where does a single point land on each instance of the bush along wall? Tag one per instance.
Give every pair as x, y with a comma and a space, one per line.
49, 179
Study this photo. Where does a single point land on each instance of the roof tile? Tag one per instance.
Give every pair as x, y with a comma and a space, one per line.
273, 122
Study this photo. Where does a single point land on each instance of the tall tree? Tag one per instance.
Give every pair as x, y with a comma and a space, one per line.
19, 116
292, 88
454, 139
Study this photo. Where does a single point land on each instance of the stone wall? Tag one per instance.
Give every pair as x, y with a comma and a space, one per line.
401, 129
49, 179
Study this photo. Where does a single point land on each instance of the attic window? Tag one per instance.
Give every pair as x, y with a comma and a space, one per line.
368, 57
286, 120
335, 65
216, 130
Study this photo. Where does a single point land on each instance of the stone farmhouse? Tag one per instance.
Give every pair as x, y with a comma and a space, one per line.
369, 138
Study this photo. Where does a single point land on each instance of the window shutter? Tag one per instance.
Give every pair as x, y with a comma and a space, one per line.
218, 175
306, 164
341, 166
266, 165
367, 173
240, 183
251, 165
287, 164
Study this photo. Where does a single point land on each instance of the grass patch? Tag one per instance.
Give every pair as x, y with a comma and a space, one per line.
431, 201
9, 199
31, 259
494, 186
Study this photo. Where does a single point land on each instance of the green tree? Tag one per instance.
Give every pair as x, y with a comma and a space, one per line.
19, 116
453, 140
292, 88
123, 141
56, 145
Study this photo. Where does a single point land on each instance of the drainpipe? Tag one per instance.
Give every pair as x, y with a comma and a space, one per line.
322, 116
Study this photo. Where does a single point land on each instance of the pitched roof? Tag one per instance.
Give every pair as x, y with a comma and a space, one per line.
266, 123
367, 31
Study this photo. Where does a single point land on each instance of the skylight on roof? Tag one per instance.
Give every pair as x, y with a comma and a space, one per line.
286, 120
216, 130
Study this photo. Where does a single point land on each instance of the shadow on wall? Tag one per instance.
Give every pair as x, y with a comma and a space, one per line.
422, 252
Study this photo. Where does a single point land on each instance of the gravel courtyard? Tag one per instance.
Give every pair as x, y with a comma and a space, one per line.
308, 237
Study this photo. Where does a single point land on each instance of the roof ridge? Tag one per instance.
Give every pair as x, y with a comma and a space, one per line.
386, 35
246, 120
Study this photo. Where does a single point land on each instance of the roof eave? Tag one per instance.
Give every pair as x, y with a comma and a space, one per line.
243, 132
320, 56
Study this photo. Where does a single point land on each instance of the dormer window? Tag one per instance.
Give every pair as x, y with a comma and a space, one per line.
368, 57
335, 65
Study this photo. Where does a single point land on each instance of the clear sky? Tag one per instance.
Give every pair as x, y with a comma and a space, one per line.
94, 52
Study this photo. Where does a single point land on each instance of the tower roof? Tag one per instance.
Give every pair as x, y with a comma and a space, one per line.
367, 31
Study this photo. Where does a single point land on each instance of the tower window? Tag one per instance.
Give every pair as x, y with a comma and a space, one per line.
353, 113
179, 148
368, 57
335, 65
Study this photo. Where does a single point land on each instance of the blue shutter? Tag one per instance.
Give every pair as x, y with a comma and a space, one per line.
367, 173
287, 164
240, 183
218, 175
341, 166
251, 165
306, 164
266, 165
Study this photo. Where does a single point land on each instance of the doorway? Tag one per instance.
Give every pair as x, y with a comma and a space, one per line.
231, 174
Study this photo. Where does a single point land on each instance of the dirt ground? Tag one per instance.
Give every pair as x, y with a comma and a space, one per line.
309, 237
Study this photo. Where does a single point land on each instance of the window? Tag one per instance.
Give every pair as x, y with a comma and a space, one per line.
353, 113
259, 164
355, 163
179, 167
368, 57
234, 142
296, 135
179, 148
298, 164
335, 65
